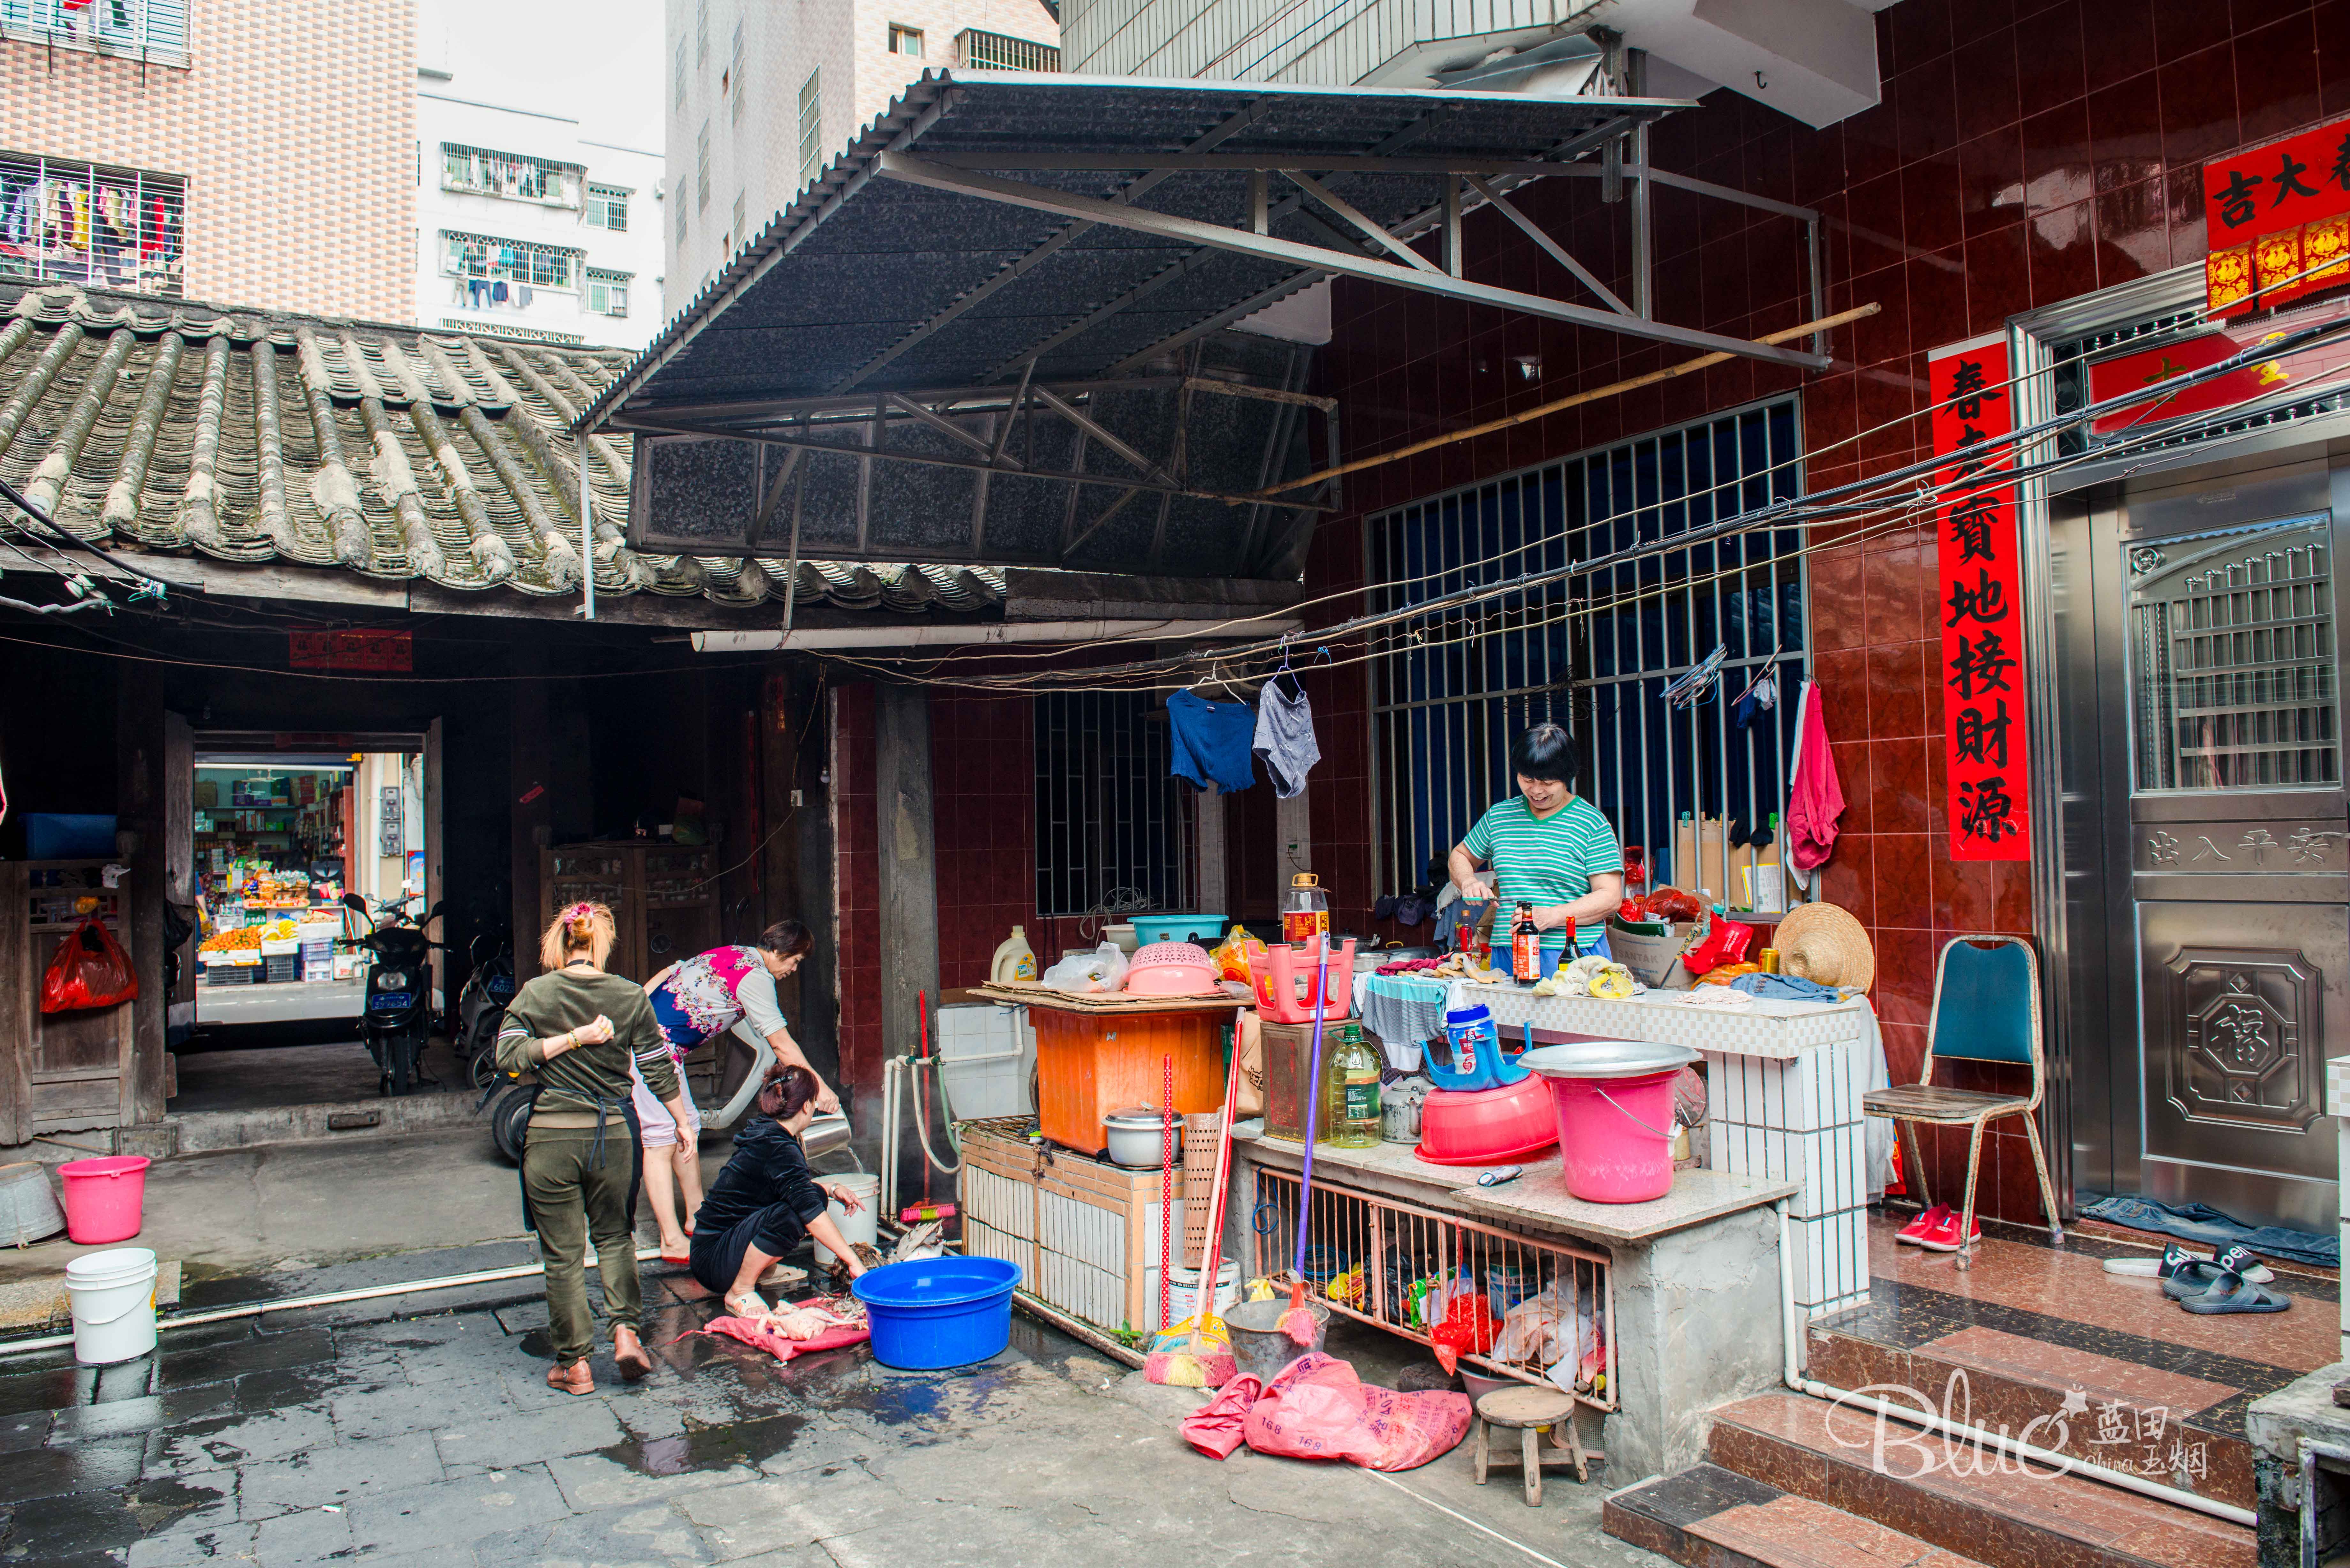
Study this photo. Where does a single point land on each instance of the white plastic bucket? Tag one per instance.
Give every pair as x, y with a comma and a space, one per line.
856, 1226
113, 1298
1184, 1290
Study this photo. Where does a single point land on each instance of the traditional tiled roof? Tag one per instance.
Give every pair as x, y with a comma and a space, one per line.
250, 437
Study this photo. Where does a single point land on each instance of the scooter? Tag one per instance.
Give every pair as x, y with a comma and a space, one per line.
482, 1010
396, 1006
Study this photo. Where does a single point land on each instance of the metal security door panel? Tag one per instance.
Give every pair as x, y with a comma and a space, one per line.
2237, 861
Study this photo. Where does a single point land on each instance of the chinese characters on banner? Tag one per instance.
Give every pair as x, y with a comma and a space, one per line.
2278, 220
1981, 611
379, 652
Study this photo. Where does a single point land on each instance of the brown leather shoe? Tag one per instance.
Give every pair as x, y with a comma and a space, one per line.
629, 1350
572, 1379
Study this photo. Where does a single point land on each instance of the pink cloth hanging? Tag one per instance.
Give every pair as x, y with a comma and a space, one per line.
1815, 798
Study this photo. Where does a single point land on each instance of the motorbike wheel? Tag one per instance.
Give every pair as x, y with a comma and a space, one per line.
510, 1121
483, 1071
403, 1052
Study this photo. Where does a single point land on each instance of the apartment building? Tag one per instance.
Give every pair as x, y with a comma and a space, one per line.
181, 148
526, 226
761, 96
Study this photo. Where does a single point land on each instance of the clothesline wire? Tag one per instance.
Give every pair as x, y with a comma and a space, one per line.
1922, 478
2201, 315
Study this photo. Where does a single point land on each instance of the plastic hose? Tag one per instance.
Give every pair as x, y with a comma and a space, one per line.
923, 1123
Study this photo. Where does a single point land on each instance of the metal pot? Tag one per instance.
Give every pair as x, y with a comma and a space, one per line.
1134, 1138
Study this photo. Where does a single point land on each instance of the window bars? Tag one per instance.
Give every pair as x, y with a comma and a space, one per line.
608, 292
1378, 1260
607, 208
150, 30
811, 128
1596, 652
515, 175
486, 260
66, 222
1113, 825
1001, 52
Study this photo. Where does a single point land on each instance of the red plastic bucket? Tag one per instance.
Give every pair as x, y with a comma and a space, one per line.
1616, 1136
104, 1198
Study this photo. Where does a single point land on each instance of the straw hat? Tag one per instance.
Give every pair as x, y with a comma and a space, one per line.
1823, 942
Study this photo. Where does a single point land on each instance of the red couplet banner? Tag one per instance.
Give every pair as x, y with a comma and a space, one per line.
1980, 611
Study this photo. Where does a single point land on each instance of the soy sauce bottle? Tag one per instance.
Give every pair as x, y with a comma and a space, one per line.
1525, 947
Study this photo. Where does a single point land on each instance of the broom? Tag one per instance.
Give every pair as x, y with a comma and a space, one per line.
1297, 1322
1196, 1366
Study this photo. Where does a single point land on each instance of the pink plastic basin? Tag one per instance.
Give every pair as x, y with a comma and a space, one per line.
1485, 1127
103, 1197
1615, 1135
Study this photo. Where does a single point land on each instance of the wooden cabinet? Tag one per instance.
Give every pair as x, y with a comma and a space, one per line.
59, 1072
663, 898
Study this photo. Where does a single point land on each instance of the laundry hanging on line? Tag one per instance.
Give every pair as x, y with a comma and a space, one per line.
1814, 796
1284, 740
1211, 743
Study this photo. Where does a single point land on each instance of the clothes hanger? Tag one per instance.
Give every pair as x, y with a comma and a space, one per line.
1686, 692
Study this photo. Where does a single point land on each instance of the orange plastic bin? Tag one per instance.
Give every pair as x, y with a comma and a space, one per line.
1091, 1063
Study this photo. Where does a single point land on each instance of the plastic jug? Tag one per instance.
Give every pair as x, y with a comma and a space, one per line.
1304, 909
1014, 959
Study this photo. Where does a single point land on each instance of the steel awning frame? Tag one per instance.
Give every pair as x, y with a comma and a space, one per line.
1283, 143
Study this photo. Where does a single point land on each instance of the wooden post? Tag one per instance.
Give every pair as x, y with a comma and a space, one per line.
140, 748
179, 854
908, 861
779, 721
19, 996
810, 891
530, 800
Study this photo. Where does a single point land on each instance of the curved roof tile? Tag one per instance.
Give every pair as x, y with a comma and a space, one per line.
249, 437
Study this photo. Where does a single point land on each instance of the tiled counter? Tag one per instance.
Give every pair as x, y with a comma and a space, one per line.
1786, 1081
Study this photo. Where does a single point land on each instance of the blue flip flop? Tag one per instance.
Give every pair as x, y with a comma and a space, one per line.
2233, 1294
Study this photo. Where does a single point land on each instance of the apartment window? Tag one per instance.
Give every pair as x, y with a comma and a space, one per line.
1001, 52
487, 259
680, 225
1595, 651
811, 128
735, 77
607, 208
608, 292
701, 32
1113, 825
742, 233
149, 30
701, 168
680, 73
510, 174
905, 40
64, 222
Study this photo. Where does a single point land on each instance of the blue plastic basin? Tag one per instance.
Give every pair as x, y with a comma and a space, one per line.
938, 1311
1205, 929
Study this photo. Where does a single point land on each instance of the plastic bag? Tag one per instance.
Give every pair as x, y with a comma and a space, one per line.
1215, 1428
1672, 904
1232, 955
90, 969
1726, 943
1531, 1333
1318, 1409
1103, 969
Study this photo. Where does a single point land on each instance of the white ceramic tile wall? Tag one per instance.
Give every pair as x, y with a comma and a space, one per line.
1799, 1120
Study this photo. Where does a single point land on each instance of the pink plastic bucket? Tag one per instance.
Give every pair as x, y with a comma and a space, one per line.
1616, 1136
103, 1197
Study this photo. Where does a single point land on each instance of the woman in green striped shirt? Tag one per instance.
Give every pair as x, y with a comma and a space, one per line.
1546, 847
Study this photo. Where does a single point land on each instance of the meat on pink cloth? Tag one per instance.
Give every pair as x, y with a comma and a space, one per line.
1814, 798
758, 1335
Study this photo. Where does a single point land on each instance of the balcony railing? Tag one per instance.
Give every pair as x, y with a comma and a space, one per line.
152, 31
1001, 52
511, 174
65, 222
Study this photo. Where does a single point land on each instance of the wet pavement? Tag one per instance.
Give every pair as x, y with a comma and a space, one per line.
418, 1431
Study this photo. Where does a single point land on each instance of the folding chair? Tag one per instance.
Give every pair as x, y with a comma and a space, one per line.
1986, 1009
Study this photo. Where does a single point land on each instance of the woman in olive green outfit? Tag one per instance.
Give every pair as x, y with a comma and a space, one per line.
576, 1027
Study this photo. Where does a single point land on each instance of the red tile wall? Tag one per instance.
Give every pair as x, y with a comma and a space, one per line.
2024, 153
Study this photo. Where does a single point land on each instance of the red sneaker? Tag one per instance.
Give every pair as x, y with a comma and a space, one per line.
1914, 1231
1944, 1236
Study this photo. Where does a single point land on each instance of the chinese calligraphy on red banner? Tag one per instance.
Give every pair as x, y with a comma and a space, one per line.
2278, 220
1981, 611
2110, 378
379, 652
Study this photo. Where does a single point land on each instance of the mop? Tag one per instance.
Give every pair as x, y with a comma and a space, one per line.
1297, 1322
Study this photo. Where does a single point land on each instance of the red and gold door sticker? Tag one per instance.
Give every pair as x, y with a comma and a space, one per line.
1980, 608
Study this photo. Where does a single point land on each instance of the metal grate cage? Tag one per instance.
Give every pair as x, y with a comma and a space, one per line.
1365, 1256
66, 222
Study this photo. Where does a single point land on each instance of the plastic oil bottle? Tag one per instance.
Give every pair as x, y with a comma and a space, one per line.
1350, 1076
1304, 910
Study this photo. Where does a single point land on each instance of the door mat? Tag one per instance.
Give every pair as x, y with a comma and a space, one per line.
41, 1306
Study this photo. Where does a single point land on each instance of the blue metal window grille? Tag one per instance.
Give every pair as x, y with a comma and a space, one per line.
1596, 651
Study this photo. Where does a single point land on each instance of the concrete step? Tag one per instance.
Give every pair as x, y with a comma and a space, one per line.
1707, 1517
2164, 1424
1962, 1499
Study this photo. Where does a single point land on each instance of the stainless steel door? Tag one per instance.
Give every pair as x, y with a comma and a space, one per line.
2219, 651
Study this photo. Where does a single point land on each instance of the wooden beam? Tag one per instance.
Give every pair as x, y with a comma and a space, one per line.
777, 765
530, 803
1613, 389
19, 995
907, 862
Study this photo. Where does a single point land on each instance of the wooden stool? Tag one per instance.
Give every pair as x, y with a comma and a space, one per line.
1529, 1411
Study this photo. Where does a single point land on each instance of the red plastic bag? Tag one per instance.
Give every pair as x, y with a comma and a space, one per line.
90, 969
1318, 1409
1726, 943
1214, 1428
1468, 1329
